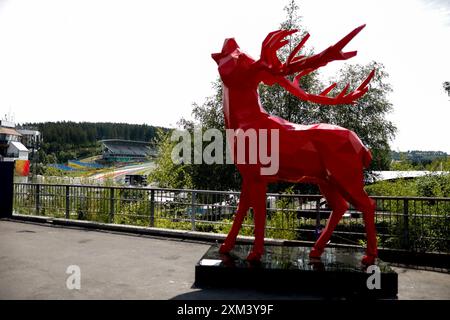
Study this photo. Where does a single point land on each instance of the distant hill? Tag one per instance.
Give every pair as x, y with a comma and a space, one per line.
71, 140
418, 157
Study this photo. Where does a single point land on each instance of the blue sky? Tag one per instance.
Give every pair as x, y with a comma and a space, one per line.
148, 61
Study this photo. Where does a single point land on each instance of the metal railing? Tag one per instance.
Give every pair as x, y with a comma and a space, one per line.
411, 223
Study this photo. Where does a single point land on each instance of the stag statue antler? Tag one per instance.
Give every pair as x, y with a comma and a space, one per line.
328, 155
302, 66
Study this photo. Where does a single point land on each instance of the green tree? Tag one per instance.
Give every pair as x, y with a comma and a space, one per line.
402, 165
210, 115
51, 158
168, 174
434, 186
367, 117
442, 164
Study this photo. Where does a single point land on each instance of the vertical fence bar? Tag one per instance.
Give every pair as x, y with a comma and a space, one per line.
111, 204
67, 202
318, 231
152, 208
405, 223
38, 198
193, 210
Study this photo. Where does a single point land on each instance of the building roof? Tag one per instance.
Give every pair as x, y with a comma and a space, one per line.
18, 146
7, 124
393, 175
9, 131
140, 151
28, 132
121, 141
118, 147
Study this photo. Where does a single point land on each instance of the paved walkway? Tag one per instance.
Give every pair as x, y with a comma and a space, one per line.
34, 259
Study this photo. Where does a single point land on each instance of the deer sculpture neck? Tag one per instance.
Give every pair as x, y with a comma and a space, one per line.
241, 106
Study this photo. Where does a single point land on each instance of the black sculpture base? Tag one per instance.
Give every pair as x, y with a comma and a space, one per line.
338, 273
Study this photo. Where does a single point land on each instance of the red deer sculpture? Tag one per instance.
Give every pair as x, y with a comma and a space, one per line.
330, 156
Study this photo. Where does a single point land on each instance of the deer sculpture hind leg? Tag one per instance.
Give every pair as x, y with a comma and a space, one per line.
356, 195
259, 215
339, 206
367, 207
243, 206
353, 192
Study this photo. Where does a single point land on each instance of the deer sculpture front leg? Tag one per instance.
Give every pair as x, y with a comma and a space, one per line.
243, 206
251, 196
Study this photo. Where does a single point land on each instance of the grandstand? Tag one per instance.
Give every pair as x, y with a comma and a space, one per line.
116, 150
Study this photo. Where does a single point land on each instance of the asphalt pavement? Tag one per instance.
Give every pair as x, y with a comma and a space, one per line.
49, 262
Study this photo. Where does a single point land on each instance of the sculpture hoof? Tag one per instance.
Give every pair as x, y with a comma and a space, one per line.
368, 260
254, 257
315, 253
225, 248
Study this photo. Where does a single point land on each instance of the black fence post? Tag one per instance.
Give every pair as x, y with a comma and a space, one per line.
67, 202
6, 189
111, 202
152, 208
193, 210
38, 199
405, 224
